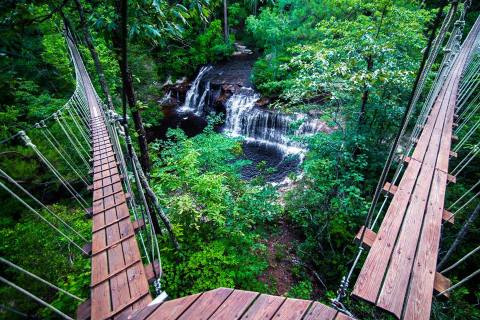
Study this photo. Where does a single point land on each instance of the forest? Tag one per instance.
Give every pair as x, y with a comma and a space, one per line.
256, 136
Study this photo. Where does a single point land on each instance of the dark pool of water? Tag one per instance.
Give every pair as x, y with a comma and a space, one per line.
279, 164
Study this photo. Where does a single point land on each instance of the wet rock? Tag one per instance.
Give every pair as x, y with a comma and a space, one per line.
262, 102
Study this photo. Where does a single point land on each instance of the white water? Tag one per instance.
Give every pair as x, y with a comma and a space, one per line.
266, 127
193, 101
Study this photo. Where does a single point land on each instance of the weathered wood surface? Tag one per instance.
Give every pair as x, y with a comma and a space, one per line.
118, 280
230, 304
399, 274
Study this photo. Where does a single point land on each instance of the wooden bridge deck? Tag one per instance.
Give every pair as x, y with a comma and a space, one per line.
399, 272
119, 284
230, 304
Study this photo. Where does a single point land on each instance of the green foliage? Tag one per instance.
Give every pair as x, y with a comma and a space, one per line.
215, 214
301, 290
36, 247
328, 204
205, 47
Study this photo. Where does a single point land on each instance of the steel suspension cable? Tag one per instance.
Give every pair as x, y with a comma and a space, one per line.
51, 285
465, 194
71, 141
57, 174
4, 187
34, 297
465, 257
19, 186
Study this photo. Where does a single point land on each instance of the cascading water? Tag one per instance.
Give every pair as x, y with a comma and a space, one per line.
194, 102
266, 127
268, 135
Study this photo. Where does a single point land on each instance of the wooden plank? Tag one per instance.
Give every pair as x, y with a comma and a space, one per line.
395, 285
206, 305
423, 271
171, 310
292, 309
342, 316
319, 311
149, 271
448, 217
390, 188
371, 276
368, 237
236, 304
441, 284
264, 307
84, 310
396, 281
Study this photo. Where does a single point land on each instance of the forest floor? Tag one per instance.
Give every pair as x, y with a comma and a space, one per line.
280, 256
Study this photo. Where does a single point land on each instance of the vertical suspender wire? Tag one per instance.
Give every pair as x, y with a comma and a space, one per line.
72, 134
467, 136
79, 128
71, 141
51, 285
57, 174
461, 260
37, 299
4, 187
83, 117
81, 109
459, 283
466, 192
16, 184
466, 161
59, 146
468, 117
82, 178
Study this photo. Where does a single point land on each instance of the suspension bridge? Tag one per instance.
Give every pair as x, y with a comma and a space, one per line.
399, 274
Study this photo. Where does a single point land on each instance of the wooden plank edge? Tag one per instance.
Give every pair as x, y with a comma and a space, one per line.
368, 237
441, 283
390, 188
150, 273
84, 310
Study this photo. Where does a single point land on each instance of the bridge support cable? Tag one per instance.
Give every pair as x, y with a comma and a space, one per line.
464, 195
61, 154
71, 136
13, 194
34, 276
77, 151
34, 297
31, 196
460, 283
56, 173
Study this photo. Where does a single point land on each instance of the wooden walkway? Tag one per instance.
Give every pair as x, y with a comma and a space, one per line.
230, 304
399, 272
119, 284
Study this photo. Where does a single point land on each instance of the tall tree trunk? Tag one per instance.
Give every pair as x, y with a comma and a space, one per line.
129, 92
363, 108
225, 20
460, 235
93, 52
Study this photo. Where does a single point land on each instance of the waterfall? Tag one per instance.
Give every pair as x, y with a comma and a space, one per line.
266, 127
194, 102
